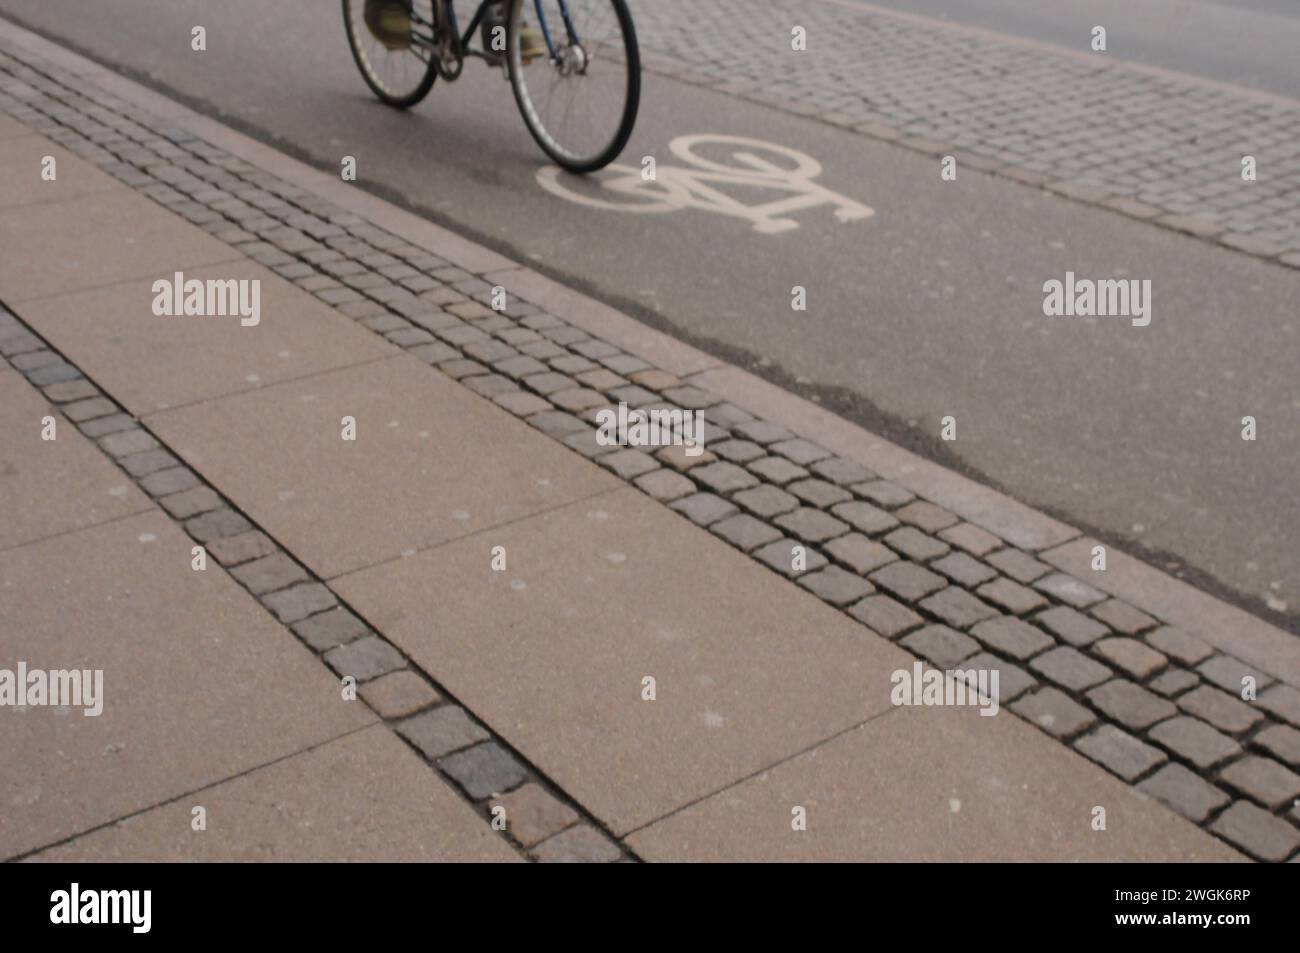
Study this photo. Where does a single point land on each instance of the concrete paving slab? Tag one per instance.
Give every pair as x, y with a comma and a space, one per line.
49, 487
112, 333
98, 238
365, 797
431, 462
23, 158
199, 683
552, 652
931, 784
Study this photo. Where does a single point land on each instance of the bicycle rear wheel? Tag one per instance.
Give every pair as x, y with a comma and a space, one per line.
576, 73
392, 43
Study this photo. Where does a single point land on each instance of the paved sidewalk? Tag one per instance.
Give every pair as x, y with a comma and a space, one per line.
522, 689
1150, 143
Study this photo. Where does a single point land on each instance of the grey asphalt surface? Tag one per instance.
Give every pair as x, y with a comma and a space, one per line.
931, 307
1249, 42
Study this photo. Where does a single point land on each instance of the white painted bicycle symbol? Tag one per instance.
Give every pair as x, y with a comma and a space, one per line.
678, 187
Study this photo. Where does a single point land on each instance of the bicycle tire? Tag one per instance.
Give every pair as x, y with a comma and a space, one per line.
396, 101
631, 104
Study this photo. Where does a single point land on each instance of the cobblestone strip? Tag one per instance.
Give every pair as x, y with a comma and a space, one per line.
1153, 705
1156, 147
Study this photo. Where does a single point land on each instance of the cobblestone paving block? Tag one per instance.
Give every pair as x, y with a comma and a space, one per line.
1013, 681
1131, 705
628, 463
800, 451
1226, 712
191, 502
327, 630
66, 391
680, 460
723, 477
1119, 752
970, 538
128, 442
884, 616
842, 472
234, 550
763, 431
1185, 792
958, 607
1179, 645
812, 525
1012, 636
296, 603
169, 481
777, 470
441, 731
1130, 656
737, 451
1011, 596
926, 516
688, 398
908, 581
1070, 668
1282, 701
1122, 617
914, 544
780, 556
868, 519
532, 814
399, 694
364, 659
1194, 741
1174, 682
883, 493
1257, 832
860, 554
1069, 590
577, 399
664, 485
745, 532
941, 645
486, 770
819, 493
1019, 566
963, 570
655, 379
89, 409
1055, 712
582, 844
836, 586
1071, 626
766, 501
151, 461
217, 524
556, 423
522, 404
1230, 674
269, 574
1282, 742
102, 426
491, 386
1262, 780
704, 509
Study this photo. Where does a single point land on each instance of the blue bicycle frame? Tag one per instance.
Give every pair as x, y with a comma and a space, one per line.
541, 20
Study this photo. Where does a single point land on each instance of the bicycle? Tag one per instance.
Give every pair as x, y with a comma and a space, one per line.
576, 75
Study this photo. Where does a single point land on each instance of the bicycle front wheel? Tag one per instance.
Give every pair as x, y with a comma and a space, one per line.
576, 73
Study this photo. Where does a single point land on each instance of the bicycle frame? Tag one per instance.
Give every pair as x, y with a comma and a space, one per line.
449, 7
